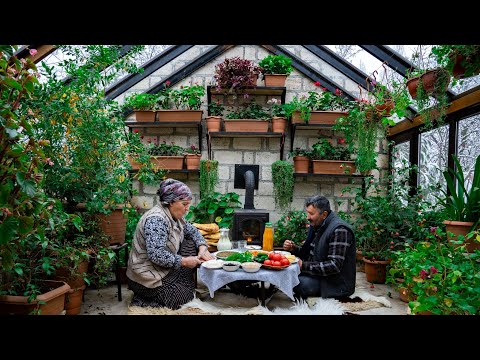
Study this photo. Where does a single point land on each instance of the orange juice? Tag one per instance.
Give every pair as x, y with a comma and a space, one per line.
268, 237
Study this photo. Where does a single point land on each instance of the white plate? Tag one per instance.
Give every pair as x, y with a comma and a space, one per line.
253, 247
282, 252
295, 261
213, 264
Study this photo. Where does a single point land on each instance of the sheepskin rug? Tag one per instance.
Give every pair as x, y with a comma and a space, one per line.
225, 303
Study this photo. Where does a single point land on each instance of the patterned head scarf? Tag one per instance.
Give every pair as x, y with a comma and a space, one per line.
172, 190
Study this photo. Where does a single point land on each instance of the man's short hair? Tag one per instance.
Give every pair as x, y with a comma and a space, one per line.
319, 202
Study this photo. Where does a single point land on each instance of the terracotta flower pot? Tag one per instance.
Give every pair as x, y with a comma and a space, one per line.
192, 161
376, 270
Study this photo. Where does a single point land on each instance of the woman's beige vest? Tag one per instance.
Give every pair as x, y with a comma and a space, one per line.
140, 268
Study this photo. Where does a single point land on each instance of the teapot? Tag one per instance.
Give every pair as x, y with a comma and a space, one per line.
224, 242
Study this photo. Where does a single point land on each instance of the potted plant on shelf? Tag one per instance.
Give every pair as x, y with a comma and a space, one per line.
329, 159
301, 160
249, 118
275, 69
166, 156
140, 161
192, 158
143, 106
318, 108
462, 207
461, 61
215, 113
235, 73
182, 104
278, 112
283, 183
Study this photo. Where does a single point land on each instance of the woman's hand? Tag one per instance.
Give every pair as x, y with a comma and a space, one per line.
190, 262
204, 254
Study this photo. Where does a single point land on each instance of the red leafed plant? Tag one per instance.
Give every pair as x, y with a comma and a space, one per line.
235, 72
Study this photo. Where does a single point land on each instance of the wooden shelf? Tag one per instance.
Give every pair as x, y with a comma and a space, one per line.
169, 124
190, 124
257, 90
244, 134
330, 175
175, 170
294, 127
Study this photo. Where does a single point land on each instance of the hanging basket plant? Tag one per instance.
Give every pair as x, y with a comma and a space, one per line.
283, 183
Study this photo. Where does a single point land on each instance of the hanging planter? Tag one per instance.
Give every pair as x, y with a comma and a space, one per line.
432, 82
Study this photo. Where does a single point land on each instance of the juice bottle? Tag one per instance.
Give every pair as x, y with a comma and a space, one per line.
267, 244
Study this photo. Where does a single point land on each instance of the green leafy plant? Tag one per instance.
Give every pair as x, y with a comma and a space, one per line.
278, 109
25, 210
216, 108
292, 225
208, 177
164, 149
462, 205
389, 218
276, 64
139, 152
283, 183
141, 102
439, 278
461, 61
192, 149
187, 97
85, 129
250, 110
298, 152
318, 101
216, 208
360, 127
324, 150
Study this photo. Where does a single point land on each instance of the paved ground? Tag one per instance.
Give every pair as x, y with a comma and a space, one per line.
105, 302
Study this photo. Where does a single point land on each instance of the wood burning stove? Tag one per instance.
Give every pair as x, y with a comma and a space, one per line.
248, 223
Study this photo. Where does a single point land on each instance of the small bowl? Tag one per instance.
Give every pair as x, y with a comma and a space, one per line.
251, 266
231, 265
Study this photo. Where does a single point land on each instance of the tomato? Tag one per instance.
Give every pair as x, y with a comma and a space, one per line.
277, 257
277, 263
268, 262
285, 262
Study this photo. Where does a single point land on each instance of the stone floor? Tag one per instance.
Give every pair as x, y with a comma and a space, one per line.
104, 301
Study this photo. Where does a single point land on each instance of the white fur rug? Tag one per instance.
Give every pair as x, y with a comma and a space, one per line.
231, 304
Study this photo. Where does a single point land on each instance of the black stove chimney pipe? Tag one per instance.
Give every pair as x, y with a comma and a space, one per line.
249, 187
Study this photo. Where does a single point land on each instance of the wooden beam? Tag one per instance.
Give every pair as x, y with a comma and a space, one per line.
469, 99
42, 52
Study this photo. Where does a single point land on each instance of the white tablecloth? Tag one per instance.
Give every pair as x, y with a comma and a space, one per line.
285, 279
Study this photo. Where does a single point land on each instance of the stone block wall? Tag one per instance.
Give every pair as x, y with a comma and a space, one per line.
255, 150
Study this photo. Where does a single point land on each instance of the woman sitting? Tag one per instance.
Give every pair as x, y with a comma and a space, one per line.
166, 251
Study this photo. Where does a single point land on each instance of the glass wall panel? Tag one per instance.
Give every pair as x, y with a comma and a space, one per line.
433, 160
468, 145
400, 161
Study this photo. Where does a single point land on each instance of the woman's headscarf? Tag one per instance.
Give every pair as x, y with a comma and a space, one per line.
172, 190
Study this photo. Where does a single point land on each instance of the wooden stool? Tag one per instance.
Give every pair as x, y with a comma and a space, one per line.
116, 248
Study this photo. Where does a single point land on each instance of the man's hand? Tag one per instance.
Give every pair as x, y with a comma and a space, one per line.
288, 245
